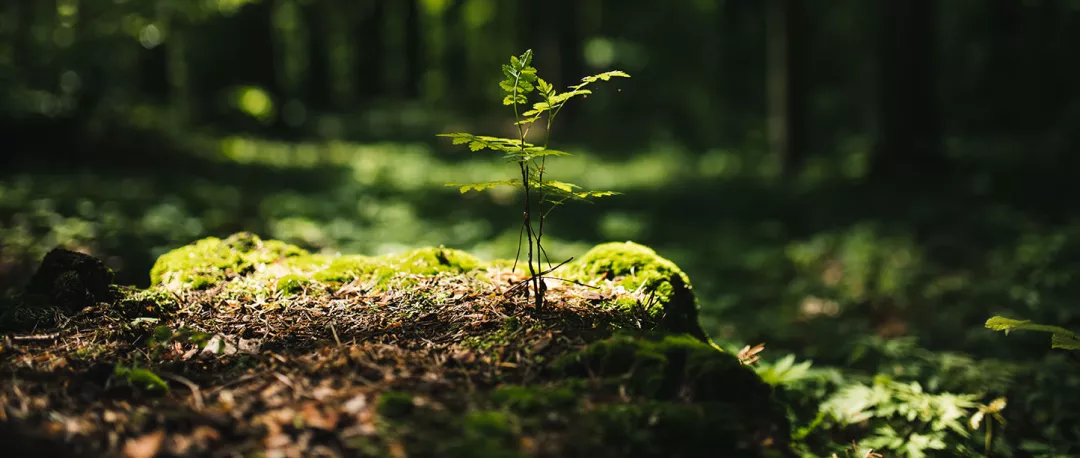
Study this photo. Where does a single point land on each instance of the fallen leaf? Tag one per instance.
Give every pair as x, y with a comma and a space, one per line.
145, 446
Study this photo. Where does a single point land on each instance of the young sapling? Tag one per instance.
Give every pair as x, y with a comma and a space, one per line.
520, 80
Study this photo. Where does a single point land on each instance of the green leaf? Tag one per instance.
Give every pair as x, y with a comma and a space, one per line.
603, 76
538, 109
545, 87
1060, 338
478, 142
559, 185
533, 152
1064, 342
998, 323
142, 379
512, 99
560, 99
463, 188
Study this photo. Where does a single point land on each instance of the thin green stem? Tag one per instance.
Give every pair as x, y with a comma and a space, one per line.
524, 166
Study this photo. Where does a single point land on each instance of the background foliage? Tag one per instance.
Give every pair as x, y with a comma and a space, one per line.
859, 186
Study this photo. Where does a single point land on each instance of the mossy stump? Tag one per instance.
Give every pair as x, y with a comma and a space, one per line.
266, 348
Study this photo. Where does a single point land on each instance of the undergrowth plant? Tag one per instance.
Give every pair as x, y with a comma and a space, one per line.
520, 80
1060, 338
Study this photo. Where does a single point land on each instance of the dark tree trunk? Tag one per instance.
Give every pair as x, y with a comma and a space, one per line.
571, 59
908, 137
571, 65
786, 80
414, 52
317, 87
371, 49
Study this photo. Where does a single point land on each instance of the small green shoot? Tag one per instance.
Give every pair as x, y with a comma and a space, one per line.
141, 379
520, 80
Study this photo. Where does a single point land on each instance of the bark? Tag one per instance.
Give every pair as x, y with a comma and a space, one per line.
785, 83
908, 137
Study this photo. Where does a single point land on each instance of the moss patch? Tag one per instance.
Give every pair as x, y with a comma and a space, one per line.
663, 288
211, 260
291, 284
345, 269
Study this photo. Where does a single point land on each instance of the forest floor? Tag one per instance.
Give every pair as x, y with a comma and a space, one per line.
445, 365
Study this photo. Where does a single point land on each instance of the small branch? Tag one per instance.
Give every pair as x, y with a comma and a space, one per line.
573, 281
334, 332
195, 393
36, 337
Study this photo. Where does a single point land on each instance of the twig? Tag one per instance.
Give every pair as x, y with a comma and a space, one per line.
237, 381
540, 275
334, 332
195, 393
36, 337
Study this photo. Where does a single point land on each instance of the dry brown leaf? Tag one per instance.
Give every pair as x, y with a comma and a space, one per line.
145, 446
314, 417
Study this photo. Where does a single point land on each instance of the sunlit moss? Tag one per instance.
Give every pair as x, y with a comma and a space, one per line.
664, 290
212, 260
430, 261
346, 268
291, 284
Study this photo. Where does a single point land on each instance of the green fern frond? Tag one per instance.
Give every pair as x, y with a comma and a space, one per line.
1060, 338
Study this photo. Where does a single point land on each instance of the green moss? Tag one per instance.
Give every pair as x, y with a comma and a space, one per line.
689, 400
291, 284
395, 404
663, 429
666, 290
210, 261
627, 304
535, 400
421, 261
345, 269
23, 315
151, 302
497, 338
432, 261
660, 367
486, 434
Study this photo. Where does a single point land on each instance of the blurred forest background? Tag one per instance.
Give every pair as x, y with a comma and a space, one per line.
861, 184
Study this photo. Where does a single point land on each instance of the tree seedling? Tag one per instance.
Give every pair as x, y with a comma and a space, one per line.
520, 80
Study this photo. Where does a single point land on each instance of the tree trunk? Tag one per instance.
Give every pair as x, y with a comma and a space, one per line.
341, 61
317, 84
785, 83
414, 52
370, 49
908, 132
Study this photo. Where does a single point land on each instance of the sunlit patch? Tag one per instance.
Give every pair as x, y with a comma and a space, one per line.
253, 101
